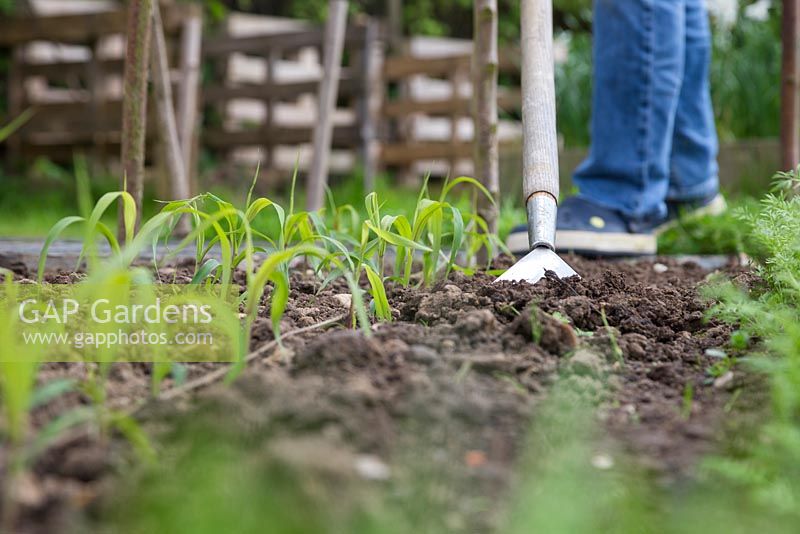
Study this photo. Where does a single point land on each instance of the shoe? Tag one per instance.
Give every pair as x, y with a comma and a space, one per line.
589, 229
711, 205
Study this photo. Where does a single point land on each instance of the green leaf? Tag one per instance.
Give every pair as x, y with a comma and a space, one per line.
55, 428
128, 427
396, 239
206, 270
458, 238
382, 309
466, 180
52, 235
51, 390
9, 129
279, 299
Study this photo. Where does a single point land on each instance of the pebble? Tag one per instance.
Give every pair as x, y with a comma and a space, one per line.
371, 467
602, 461
660, 268
345, 299
724, 380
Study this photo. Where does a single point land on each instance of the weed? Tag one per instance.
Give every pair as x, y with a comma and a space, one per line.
769, 312
688, 401
616, 351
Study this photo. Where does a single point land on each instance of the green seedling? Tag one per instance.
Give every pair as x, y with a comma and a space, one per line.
20, 121
616, 351
19, 364
766, 471
688, 400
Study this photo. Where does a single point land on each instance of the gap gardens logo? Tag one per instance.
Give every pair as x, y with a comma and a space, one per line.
107, 323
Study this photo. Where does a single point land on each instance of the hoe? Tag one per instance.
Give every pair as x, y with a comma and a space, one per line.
540, 148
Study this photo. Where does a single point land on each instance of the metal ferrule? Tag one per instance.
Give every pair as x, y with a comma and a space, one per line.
542, 209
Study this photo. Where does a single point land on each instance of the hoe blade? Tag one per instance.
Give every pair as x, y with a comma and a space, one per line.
532, 267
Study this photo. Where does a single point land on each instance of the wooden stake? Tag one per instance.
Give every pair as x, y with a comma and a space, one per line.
134, 105
167, 125
395, 17
370, 103
187, 114
790, 87
16, 102
486, 158
328, 90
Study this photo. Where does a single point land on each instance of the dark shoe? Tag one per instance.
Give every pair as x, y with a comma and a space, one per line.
592, 230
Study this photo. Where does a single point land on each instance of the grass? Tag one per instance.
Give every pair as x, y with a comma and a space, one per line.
31, 216
709, 234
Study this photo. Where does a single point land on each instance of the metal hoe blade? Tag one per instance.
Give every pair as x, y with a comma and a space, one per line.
532, 267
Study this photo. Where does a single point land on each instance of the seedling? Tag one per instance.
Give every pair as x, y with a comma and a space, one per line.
616, 351
688, 398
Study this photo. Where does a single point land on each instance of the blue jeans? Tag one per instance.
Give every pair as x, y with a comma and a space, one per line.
653, 134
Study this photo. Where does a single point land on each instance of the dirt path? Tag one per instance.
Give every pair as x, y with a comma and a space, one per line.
433, 409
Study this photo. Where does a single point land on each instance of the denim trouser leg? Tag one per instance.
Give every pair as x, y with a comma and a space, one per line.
693, 168
644, 50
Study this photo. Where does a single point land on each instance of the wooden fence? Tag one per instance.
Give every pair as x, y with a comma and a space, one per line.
428, 112
410, 113
69, 68
269, 104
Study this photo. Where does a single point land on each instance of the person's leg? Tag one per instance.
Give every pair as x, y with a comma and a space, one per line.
639, 52
693, 165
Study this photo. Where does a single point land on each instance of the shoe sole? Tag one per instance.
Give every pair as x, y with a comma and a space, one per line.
588, 243
717, 206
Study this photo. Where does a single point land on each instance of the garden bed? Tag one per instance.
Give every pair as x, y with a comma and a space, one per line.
433, 409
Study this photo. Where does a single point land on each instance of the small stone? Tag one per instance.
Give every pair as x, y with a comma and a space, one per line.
602, 461
371, 467
660, 268
26, 281
716, 353
724, 380
345, 299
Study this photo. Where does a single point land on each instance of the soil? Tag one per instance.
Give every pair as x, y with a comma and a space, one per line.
450, 387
